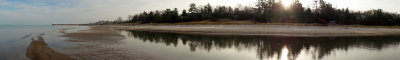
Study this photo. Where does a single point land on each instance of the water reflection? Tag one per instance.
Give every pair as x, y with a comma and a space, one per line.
276, 47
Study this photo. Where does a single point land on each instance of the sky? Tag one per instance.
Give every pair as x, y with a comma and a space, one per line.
33, 12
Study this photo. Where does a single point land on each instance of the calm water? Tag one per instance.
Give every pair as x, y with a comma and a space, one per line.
14, 41
172, 46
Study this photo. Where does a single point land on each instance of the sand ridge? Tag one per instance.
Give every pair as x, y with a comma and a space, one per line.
38, 50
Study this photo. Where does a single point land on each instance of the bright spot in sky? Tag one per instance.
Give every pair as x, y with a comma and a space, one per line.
287, 3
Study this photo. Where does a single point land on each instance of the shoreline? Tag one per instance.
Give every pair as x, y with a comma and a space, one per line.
263, 30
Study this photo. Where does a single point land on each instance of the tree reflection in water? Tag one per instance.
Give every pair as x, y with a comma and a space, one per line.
270, 46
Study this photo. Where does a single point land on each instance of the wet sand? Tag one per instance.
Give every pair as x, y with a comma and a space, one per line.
280, 30
38, 50
63, 30
99, 43
94, 34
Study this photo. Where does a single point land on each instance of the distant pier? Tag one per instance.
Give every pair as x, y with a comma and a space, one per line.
70, 24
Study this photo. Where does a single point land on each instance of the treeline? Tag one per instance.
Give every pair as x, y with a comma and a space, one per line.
270, 11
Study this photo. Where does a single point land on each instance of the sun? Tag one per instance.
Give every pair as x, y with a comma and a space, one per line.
287, 3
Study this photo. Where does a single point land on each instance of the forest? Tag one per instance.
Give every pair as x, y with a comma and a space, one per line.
269, 11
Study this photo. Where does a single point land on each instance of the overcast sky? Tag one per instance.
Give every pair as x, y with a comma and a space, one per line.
27, 12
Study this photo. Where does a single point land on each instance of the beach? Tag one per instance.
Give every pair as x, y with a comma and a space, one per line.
199, 30
200, 42
275, 30
100, 43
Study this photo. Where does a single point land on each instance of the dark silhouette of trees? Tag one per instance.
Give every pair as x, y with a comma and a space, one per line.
157, 16
378, 17
327, 12
206, 12
297, 10
194, 12
308, 15
270, 11
184, 16
264, 10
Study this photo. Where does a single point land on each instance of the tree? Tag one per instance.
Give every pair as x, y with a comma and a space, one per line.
264, 10
184, 13
277, 11
166, 16
193, 12
326, 12
308, 15
157, 16
119, 20
236, 14
316, 4
379, 17
193, 8
143, 17
208, 11
135, 18
175, 15
298, 10
150, 16
130, 19
184, 16
348, 17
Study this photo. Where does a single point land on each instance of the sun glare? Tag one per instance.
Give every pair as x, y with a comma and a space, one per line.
284, 54
287, 3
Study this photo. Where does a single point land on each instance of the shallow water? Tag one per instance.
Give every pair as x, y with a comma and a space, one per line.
16, 44
15, 39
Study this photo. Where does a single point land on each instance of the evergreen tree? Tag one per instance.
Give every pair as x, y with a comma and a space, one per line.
184, 16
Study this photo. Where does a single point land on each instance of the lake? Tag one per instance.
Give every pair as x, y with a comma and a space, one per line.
16, 42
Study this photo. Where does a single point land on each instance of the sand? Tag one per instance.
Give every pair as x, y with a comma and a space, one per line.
38, 50
94, 34
278, 30
99, 43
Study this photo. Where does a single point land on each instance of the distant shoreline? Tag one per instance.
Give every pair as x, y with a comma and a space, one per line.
270, 30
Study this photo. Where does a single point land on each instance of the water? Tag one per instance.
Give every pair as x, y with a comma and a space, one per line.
16, 44
15, 39
172, 46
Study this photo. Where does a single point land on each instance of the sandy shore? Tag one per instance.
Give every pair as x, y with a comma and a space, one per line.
93, 34
38, 50
99, 43
281, 30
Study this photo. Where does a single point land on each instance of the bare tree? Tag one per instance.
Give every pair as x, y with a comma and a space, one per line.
119, 20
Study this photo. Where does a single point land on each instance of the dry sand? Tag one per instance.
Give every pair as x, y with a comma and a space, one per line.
281, 30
